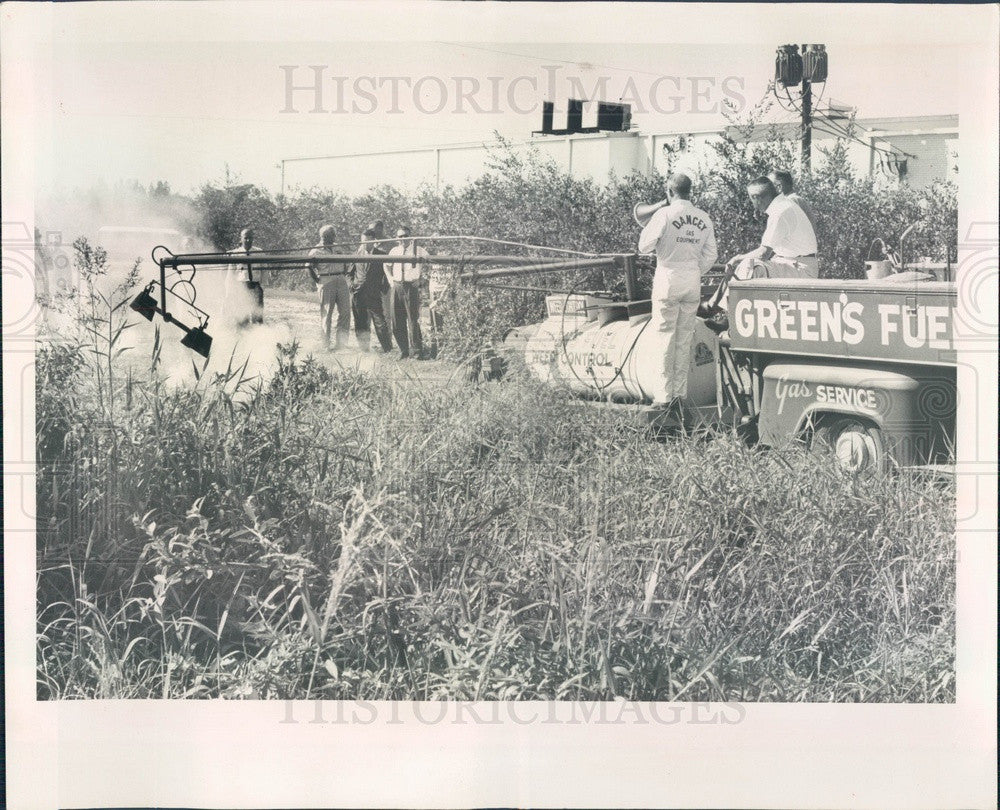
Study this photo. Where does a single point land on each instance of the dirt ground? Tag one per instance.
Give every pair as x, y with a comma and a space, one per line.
288, 316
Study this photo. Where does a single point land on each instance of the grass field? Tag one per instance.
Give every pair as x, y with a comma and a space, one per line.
364, 532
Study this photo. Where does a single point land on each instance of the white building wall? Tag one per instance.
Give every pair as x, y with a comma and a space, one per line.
930, 161
594, 156
590, 159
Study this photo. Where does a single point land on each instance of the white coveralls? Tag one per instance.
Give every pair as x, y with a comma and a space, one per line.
684, 240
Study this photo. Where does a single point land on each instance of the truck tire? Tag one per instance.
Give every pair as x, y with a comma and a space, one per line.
858, 448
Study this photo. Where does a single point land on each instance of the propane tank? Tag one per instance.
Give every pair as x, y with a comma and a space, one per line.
596, 347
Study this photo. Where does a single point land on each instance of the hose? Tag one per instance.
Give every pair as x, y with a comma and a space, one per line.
599, 389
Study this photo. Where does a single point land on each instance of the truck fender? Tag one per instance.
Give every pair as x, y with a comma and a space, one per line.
816, 414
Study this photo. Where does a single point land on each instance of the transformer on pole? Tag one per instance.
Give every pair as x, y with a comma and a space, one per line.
795, 69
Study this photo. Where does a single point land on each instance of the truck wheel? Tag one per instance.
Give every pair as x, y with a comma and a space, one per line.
858, 448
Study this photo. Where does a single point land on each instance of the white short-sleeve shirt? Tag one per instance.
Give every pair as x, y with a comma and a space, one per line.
789, 233
409, 271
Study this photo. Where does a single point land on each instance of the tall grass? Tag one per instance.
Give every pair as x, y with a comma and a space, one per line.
346, 535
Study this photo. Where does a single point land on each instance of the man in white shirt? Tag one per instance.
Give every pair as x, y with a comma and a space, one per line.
683, 237
787, 248
405, 279
244, 296
334, 292
782, 181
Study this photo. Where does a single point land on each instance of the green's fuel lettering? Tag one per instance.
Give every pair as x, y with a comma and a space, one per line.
801, 320
915, 326
918, 325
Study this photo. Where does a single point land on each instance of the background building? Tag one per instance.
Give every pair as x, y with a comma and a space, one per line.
916, 150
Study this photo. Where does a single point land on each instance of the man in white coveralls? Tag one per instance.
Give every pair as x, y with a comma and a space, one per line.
684, 240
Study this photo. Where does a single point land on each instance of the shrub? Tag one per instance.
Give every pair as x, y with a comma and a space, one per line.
336, 534
526, 198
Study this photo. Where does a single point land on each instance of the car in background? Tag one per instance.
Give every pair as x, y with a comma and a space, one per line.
126, 243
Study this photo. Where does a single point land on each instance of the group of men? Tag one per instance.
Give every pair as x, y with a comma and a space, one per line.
384, 296
683, 238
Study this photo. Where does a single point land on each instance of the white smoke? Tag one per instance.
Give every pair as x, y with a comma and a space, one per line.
132, 223
236, 343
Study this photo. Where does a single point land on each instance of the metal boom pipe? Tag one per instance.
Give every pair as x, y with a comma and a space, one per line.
548, 267
283, 259
521, 288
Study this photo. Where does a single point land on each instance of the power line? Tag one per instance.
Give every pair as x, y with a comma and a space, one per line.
844, 132
774, 90
840, 133
839, 130
549, 59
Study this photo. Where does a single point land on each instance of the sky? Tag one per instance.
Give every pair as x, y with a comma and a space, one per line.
184, 111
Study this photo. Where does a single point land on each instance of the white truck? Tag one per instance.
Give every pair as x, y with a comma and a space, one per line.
863, 368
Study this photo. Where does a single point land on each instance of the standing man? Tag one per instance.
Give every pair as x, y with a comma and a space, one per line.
405, 277
782, 181
244, 296
437, 287
377, 227
331, 283
683, 238
368, 284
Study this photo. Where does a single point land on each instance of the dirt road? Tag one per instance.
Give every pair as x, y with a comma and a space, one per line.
288, 316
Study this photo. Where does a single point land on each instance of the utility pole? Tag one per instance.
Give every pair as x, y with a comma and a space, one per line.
802, 71
806, 120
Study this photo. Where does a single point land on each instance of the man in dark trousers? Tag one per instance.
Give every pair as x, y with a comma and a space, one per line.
244, 297
368, 286
377, 228
405, 278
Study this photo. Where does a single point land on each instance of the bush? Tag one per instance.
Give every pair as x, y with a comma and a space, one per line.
851, 210
335, 535
525, 198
